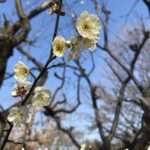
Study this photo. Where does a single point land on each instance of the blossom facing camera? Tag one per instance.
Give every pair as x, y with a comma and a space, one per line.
18, 115
59, 46
41, 97
21, 71
88, 25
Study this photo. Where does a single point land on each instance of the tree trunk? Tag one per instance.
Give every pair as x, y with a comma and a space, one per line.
6, 50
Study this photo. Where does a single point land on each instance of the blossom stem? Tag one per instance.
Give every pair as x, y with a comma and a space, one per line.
37, 79
56, 26
51, 58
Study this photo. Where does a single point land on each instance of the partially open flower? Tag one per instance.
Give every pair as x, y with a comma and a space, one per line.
59, 46
88, 25
89, 44
68, 43
41, 97
76, 47
21, 71
78, 44
21, 88
53, 9
18, 115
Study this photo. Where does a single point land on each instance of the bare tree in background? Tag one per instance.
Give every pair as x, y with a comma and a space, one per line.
120, 106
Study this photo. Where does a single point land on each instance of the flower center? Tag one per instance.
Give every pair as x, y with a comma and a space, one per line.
85, 27
59, 48
19, 116
22, 71
21, 90
40, 97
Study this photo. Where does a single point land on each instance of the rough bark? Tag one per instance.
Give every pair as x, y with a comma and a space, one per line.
6, 49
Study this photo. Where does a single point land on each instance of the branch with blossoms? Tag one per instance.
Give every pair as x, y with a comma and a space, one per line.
20, 115
120, 106
31, 95
11, 38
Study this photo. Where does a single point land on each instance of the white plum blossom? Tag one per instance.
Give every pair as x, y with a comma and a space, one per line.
78, 44
59, 46
89, 44
88, 25
21, 88
76, 47
41, 97
19, 115
21, 71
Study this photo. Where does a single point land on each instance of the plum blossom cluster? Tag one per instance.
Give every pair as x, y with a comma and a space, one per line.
22, 86
88, 32
40, 97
